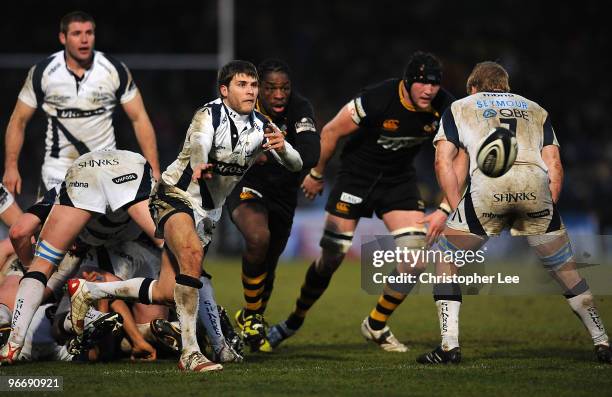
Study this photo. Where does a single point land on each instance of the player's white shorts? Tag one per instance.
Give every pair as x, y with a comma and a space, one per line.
53, 172
519, 200
168, 200
6, 199
126, 260
107, 178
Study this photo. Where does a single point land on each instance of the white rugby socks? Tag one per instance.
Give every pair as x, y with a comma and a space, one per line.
209, 315
584, 307
448, 314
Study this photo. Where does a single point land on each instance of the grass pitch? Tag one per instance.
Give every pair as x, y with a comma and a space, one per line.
511, 346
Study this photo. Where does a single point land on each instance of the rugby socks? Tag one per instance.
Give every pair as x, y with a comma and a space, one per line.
140, 289
209, 314
187, 302
581, 301
448, 301
253, 282
267, 292
314, 286
28, 299
387, 303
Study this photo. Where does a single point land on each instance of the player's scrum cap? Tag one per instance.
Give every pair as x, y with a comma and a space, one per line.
423, 67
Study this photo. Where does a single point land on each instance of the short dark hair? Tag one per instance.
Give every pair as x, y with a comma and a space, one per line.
272, 65
75, 16
488, 76
232, 68
423, 67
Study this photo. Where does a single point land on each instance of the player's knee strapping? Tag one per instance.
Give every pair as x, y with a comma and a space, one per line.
558, 258
412, 238
49, 253
336, 242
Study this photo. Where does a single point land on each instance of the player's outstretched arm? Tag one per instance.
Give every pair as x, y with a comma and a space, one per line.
281, 149
341, 125
145, 134
13, 141
552, 159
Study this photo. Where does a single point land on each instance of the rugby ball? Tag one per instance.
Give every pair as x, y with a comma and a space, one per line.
497, 152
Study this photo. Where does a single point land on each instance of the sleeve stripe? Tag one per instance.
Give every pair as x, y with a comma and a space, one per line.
549, 132
450, 128
37, 80
123, 76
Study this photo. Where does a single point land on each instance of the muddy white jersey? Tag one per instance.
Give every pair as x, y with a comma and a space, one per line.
79, 110
224, 138
519, 200
470, 119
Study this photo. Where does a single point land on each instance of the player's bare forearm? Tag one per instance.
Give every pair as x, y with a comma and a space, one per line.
13, 142
552, 159
143, 129
461, 165
446, 152
145, 135
341, 125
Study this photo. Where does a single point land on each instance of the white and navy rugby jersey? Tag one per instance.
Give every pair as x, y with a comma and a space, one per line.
79, 110
230, 141
467, 121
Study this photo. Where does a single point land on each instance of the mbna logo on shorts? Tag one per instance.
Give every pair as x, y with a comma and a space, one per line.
487, 114
125, 178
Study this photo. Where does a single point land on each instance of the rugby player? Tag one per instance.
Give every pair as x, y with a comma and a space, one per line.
224, 139
386, 124
263, 203
110, 178
78, 89
537, 172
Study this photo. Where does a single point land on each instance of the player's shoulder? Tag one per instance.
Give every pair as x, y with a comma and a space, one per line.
207, 116
300, 106
388, 87
109, 61
442, 100
50, 63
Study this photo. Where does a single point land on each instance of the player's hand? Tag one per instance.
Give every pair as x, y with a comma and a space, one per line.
143, 351
12, 180
436, 221
202, 171
156, 174
93, 276
312, 187
275, 137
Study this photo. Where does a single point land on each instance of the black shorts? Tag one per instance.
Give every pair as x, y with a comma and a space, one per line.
280, 212
354, 197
